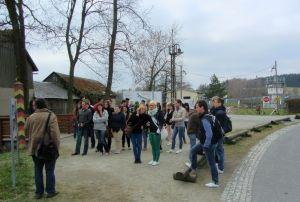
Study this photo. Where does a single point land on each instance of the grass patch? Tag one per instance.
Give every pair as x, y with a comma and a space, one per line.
24, 178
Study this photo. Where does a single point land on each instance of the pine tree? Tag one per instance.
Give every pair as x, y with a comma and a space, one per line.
215, 88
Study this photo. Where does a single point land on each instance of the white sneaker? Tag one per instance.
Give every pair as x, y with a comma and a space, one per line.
219, 171
155, 163
171, 151
169, 143
178, 151
188, 164
151, 162
212, 185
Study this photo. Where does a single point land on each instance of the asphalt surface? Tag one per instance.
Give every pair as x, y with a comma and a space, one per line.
240, 122
278, 174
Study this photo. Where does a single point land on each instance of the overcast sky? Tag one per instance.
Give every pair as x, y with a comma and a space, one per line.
232, 38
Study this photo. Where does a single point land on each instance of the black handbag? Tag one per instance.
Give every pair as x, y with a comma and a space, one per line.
47, 151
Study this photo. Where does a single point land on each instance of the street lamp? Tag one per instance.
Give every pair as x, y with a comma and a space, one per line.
174, 50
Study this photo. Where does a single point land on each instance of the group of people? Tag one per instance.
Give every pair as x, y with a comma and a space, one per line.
142, 121
114, 126
110, 125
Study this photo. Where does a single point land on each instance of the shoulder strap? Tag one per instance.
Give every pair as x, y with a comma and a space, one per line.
46, 127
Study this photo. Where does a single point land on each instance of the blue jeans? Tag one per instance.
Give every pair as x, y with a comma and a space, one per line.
85, 133
145, 136
136, 139
38, 175
220, 154
210, 156
180, 130
192, 142
75, 128
193, 139
100, 134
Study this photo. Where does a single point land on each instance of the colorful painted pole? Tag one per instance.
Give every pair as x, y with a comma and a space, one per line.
19, 95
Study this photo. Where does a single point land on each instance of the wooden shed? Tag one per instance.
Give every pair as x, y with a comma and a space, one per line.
293, 105
9, 72
56, 96
83, 87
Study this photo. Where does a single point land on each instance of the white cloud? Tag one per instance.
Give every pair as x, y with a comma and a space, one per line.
232, 37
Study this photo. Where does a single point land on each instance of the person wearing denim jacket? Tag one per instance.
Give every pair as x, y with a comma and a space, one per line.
208, 143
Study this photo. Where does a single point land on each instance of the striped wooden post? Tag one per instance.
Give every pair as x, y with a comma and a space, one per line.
19, 95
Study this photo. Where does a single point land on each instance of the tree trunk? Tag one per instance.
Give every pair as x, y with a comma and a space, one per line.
152, 78
112, 50
150, 87
19, 45
70, 88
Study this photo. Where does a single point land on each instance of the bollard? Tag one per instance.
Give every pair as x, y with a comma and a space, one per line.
19, 96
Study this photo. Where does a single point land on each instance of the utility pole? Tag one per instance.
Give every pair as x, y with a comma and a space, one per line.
165, 94
276, 82
181, 82
174, 50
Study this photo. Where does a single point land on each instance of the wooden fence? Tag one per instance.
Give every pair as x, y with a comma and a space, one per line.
64, 121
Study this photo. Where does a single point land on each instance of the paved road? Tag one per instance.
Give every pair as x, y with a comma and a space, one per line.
246, 121
278, 174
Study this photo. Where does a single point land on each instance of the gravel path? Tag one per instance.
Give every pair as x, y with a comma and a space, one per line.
117, 178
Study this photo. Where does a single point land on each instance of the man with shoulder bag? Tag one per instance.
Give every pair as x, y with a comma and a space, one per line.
43, 131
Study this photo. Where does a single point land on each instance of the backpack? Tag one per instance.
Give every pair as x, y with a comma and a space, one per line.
215, 126
227, 125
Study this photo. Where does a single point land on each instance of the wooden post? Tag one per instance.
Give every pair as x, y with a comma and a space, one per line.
1, 135
19, 96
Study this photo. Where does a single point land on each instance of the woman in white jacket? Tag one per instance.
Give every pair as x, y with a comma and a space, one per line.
100, 122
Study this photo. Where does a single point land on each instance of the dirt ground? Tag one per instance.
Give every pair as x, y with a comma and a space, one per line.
117, 178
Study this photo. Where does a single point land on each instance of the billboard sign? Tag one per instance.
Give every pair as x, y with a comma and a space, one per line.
142, 95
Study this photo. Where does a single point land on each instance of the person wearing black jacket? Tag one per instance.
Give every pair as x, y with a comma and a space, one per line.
137, 122
91, 130
168, 123
84, 119
219, 111
117, 125
155, 125
110, 110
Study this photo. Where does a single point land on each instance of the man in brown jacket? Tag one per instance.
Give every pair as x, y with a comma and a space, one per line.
35, 128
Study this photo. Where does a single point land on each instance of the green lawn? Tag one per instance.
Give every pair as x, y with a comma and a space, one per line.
24, 178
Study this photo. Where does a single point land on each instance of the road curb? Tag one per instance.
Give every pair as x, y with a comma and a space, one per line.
239, 187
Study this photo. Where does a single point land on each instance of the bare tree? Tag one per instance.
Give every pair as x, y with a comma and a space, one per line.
16, 16
123, 21
73, 23
150, 57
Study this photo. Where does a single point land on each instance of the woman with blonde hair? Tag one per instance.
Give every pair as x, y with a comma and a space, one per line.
155, 125
168, 123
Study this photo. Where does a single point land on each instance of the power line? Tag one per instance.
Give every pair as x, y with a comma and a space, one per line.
231, 76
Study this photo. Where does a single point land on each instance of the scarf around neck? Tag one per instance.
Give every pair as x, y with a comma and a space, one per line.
152, 112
